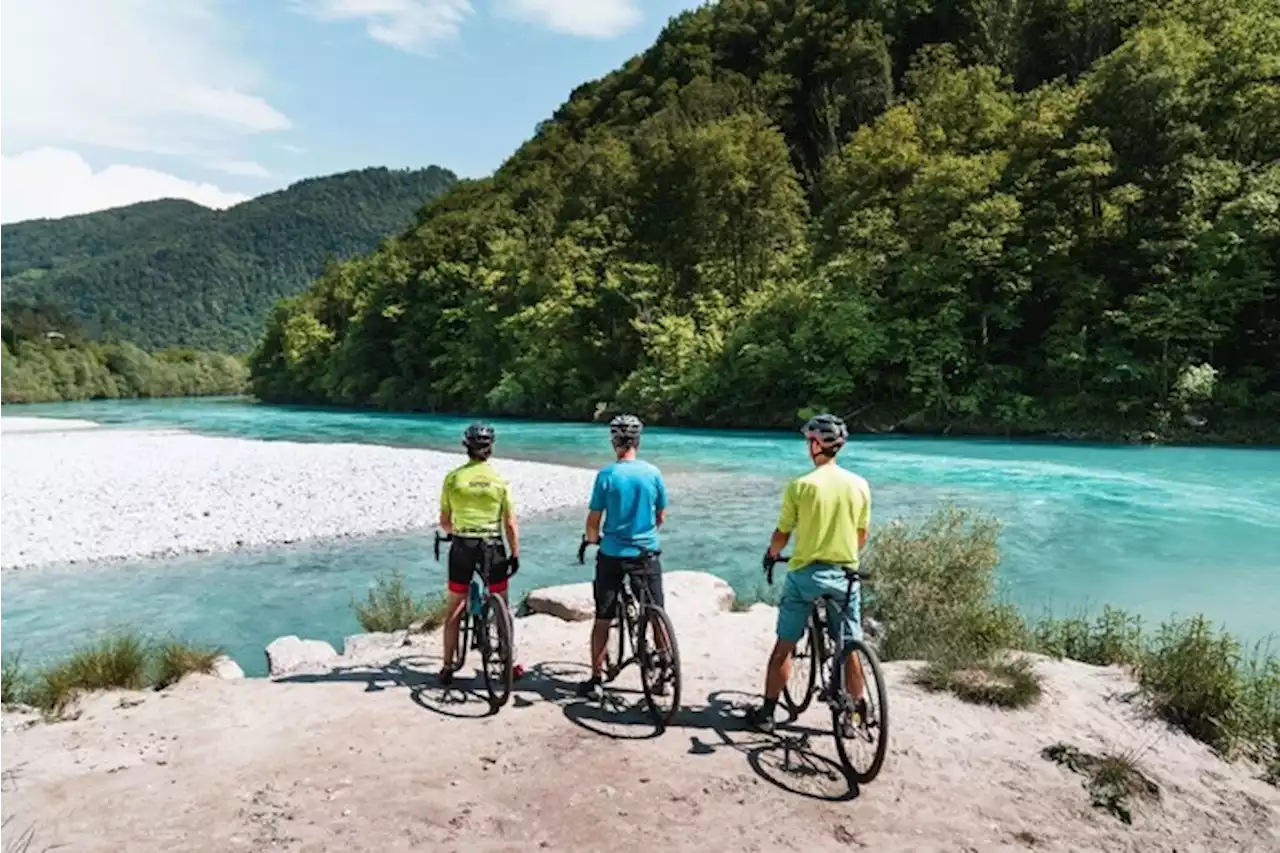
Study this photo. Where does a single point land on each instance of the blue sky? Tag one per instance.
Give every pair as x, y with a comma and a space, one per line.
107, 102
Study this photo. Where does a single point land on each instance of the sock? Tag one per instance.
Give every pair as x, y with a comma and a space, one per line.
769, 706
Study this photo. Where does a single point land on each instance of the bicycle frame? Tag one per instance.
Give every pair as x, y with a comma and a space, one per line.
634, 598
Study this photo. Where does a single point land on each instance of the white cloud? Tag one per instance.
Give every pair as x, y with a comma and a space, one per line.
244, 168
409, 25
51, 182
589, 18
142, 75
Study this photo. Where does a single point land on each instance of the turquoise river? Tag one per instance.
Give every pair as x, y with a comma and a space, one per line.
1159, 530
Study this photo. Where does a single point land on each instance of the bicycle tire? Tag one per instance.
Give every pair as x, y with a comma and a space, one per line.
497, 651
647, 653
879, 714
806, 656
464, 637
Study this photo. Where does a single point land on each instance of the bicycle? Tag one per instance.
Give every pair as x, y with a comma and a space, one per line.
824, 676
493, 634
639, 619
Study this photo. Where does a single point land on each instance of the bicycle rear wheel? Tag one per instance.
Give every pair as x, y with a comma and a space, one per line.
464, 639
659, 666
497, 649
798, 692
862, 745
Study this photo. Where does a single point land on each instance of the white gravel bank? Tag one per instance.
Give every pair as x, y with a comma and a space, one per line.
12, 423
71, 496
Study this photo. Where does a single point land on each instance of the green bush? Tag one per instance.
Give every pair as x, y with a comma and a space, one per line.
14, 681
934, 588
175, 659
1010, 683
1198, 679
390, 606
1115, 637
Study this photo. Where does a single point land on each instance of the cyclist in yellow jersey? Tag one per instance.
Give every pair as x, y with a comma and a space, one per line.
829, 511
475, 509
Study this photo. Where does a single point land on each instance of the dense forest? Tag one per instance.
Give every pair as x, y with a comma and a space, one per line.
1010, 216
45, 357
172, 273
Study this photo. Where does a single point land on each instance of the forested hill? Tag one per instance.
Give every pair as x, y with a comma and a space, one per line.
172, 273
1024, 216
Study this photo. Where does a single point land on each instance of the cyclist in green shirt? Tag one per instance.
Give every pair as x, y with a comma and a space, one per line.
475, 509
829, 511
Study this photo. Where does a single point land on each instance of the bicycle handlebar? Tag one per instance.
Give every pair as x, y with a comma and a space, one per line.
769, 562
582, 549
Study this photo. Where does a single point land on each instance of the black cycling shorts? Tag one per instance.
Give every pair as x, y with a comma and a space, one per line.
468, 555
610, 572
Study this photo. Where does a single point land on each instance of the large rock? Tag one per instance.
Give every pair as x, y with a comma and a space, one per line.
290, 654
573, 602
688, 594
373, 645
226, 668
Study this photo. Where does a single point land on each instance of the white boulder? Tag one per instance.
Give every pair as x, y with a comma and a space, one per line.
226, 668
688, 594
286, 655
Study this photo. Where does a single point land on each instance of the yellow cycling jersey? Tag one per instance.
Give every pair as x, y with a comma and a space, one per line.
825, 508
477, 499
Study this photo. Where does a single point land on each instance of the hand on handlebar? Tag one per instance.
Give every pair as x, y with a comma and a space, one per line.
441, 537
582, 548
769, 561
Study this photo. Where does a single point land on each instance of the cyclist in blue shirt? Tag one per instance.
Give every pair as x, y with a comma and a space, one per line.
630, 499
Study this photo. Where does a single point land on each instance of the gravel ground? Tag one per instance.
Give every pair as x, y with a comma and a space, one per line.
372, 754
73, 495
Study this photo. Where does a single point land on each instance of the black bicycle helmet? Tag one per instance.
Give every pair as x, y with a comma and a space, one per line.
828, 430
478, 435
625, 430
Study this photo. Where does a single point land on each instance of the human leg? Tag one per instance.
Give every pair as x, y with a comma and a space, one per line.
793, 613
605, 588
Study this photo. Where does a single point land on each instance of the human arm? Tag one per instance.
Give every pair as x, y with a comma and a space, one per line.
446, 508
660, 505
864, 520
510, 524
786, 522
596, 510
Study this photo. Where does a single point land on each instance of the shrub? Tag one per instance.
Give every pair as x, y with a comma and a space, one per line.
176, 658
1115, 637
934, 588
14, 681
1191, 676
119, 661
390, 606
1011, 683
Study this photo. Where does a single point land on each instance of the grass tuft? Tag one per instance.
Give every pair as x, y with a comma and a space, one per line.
175, 659
120, 661
1114, 780
15, 681
1115, 637
1012, 683
18, 842
390, 606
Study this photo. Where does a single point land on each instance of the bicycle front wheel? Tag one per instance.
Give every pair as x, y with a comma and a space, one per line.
862, 740
497, 649
659, 658
798, 692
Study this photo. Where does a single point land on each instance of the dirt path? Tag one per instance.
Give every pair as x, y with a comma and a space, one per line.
376, 756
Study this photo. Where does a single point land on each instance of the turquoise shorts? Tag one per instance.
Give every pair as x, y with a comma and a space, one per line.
805, 586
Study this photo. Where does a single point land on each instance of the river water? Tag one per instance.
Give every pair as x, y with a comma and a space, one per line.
1158, 530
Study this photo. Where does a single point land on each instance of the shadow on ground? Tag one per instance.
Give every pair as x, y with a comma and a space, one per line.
785, 759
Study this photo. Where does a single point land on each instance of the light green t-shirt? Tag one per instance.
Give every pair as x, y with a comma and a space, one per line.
825, 509
477, 499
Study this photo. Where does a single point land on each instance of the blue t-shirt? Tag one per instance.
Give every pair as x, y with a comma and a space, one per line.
630, 495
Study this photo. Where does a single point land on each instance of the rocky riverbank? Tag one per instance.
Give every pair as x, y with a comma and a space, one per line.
363, 750
74, 493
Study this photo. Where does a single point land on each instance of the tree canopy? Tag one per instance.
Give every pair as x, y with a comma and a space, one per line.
172, 273
987, 215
